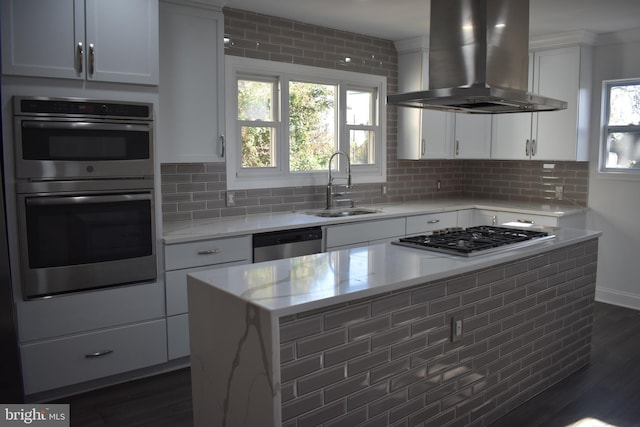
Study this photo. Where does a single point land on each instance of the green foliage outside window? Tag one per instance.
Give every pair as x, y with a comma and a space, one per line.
311, 125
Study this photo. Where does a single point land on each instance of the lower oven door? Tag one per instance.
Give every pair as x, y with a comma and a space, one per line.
74, 242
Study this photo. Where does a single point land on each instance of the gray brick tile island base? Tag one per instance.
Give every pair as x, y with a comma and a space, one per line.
389, 360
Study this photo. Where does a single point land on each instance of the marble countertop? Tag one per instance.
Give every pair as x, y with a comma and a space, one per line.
187, 231
313, 281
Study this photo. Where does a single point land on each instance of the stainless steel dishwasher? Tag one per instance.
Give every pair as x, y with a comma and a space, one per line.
286, 243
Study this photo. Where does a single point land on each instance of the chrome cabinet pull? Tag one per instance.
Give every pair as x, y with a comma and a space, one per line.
534, 147
209, 251
526, 148
457, 147
92, 57
433, 221
79, 57
222, 146
494, 220
99, 353
423, 147
526, 221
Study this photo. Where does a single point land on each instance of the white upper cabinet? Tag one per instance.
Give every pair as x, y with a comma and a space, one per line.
107, 41
472, 136
422, 134
191, 84
430, 134
562, 73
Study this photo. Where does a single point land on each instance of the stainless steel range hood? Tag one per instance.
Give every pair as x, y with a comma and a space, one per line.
478, 60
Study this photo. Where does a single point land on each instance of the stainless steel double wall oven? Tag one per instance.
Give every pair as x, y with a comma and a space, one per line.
85, 199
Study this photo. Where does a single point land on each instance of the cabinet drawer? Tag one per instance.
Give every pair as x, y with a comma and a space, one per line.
61, 362
207, 252
363, 232
526, 220
87, 311
178, 336
176, 283
425, 223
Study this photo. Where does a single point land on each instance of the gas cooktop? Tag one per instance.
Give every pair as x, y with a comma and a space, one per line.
474, 240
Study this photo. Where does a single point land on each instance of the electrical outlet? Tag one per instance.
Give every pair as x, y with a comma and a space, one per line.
231, 199
456, 329
384, 189
559, 191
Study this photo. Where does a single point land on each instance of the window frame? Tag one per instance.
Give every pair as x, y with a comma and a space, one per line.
239, 178
275, 123
606, 129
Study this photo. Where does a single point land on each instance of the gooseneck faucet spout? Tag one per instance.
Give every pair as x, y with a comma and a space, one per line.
330, 192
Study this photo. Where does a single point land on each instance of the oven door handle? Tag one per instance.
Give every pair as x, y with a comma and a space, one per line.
86, 125
83, 200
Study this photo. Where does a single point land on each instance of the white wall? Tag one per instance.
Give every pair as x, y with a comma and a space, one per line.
615, 200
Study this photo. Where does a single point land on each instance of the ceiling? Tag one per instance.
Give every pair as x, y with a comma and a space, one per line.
402, 19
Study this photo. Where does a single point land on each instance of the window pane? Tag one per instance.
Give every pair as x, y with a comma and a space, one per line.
255, 100
624, 105
312, 122
361, 147
258, 146
623, 150
359, 107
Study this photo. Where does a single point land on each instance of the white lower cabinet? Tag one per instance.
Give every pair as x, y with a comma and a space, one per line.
184, 258
364, 233
489, 217
85, 336
178, 336
75, 359
421, 224
465, 218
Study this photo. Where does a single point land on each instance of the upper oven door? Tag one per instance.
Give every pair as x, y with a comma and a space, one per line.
79, 149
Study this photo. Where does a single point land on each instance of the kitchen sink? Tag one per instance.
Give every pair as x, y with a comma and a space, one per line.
341, 212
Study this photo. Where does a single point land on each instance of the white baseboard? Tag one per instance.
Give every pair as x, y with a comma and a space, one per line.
616, 297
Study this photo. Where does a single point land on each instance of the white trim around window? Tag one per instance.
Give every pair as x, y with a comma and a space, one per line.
620, 138
239, 178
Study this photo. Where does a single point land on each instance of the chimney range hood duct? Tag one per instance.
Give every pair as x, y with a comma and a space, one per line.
478, 60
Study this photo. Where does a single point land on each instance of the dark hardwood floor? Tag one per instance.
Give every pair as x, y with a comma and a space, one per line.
608, 390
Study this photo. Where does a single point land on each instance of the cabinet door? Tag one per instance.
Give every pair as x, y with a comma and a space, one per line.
422, 134
511, 136
191, 89
437, 134
511, 133
557, 74
484, 217
122, 41
40, 38
472, 136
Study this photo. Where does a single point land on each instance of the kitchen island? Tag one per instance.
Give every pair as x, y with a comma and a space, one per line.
368, 334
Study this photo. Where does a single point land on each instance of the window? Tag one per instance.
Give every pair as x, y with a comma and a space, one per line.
621, 117
284, 121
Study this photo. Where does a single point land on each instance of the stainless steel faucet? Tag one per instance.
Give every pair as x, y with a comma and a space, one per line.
330, 192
